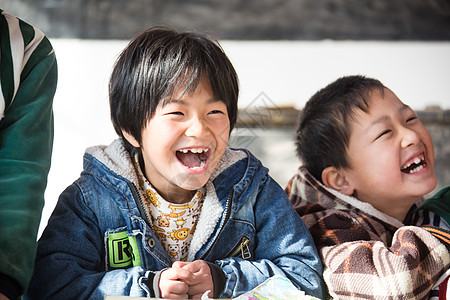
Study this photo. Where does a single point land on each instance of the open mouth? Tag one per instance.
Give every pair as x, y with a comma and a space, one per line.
414, 165
194, 158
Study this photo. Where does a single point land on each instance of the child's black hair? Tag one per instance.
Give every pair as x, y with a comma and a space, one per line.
323, 129
160, 62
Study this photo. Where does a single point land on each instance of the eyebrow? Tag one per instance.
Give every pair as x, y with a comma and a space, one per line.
167, 101
386, 118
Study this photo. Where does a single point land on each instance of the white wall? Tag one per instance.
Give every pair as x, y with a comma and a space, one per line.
287, 72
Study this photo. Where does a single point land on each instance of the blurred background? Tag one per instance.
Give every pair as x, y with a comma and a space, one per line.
283, 52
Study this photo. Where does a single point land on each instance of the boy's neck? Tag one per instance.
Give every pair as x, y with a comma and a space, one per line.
398, 212
169, 196
176, 198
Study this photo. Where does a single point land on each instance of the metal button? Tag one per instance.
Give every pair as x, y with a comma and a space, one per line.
151, 242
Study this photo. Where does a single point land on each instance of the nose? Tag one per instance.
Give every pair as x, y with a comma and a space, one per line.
409, 137
197, 127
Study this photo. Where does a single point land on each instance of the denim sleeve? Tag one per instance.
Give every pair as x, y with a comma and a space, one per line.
70, 261
284, 247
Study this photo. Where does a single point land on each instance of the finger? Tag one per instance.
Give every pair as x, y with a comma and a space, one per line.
199, 296
179, 264
169, 295
178, 274
201, 285
175, 296
197, 289
174, 289
197, 266
172, 295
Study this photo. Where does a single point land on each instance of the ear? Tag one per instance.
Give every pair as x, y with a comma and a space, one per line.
130, 139
335, 179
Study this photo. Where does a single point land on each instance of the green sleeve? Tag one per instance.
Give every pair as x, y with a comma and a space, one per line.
26, 139
439, 204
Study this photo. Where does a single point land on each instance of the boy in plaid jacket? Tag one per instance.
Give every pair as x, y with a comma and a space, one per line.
367, 162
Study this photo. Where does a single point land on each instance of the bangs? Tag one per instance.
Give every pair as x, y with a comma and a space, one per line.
177, 69
161, 64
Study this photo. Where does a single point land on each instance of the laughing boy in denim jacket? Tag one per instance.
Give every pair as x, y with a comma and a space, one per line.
168, 210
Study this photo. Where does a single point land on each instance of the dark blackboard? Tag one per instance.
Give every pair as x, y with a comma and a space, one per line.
241, 19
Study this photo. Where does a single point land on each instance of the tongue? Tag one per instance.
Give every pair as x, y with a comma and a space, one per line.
189, 159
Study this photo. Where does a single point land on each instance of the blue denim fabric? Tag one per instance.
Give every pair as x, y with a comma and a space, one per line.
73, 260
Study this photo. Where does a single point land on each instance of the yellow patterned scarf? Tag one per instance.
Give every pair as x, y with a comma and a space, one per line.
173, 224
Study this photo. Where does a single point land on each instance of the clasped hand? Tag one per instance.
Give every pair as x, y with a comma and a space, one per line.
186, 280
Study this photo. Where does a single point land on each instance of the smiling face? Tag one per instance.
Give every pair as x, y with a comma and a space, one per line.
391, 156
184, 141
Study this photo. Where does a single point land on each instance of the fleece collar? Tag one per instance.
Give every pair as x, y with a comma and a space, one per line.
342, 201
117, 159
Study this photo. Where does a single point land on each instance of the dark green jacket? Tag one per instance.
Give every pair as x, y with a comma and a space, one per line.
439, 204
28, 76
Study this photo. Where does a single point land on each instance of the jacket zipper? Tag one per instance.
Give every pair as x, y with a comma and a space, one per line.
243, 249
227, 216
140, 206
143, 213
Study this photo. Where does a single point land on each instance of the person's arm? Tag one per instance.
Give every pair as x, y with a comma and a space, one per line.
406, 267
284, 247
362, 255
71, 255
28, 75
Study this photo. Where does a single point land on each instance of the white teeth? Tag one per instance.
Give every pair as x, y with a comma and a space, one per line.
416, 161
194, 150
416, 169
197, 151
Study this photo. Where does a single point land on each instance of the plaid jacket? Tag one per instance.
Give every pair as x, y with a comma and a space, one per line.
366, 253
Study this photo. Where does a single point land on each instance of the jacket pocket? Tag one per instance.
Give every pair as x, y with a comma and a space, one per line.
122, 251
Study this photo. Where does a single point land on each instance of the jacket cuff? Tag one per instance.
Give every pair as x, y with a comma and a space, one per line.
10, 287
152, 281
219, 279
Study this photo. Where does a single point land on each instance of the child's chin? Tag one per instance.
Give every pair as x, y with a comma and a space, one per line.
193, 183
427, 186
432, 186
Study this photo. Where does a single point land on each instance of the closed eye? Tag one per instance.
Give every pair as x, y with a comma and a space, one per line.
177, 113
216, 112
383, 133
411, 119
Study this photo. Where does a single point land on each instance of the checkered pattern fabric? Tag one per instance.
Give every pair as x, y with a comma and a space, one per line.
366, 254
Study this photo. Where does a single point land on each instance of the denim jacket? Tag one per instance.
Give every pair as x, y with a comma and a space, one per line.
99, 241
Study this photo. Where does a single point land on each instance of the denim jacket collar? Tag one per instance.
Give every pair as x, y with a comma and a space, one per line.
115, 158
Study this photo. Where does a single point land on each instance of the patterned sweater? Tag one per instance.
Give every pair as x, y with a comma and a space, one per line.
366, 253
